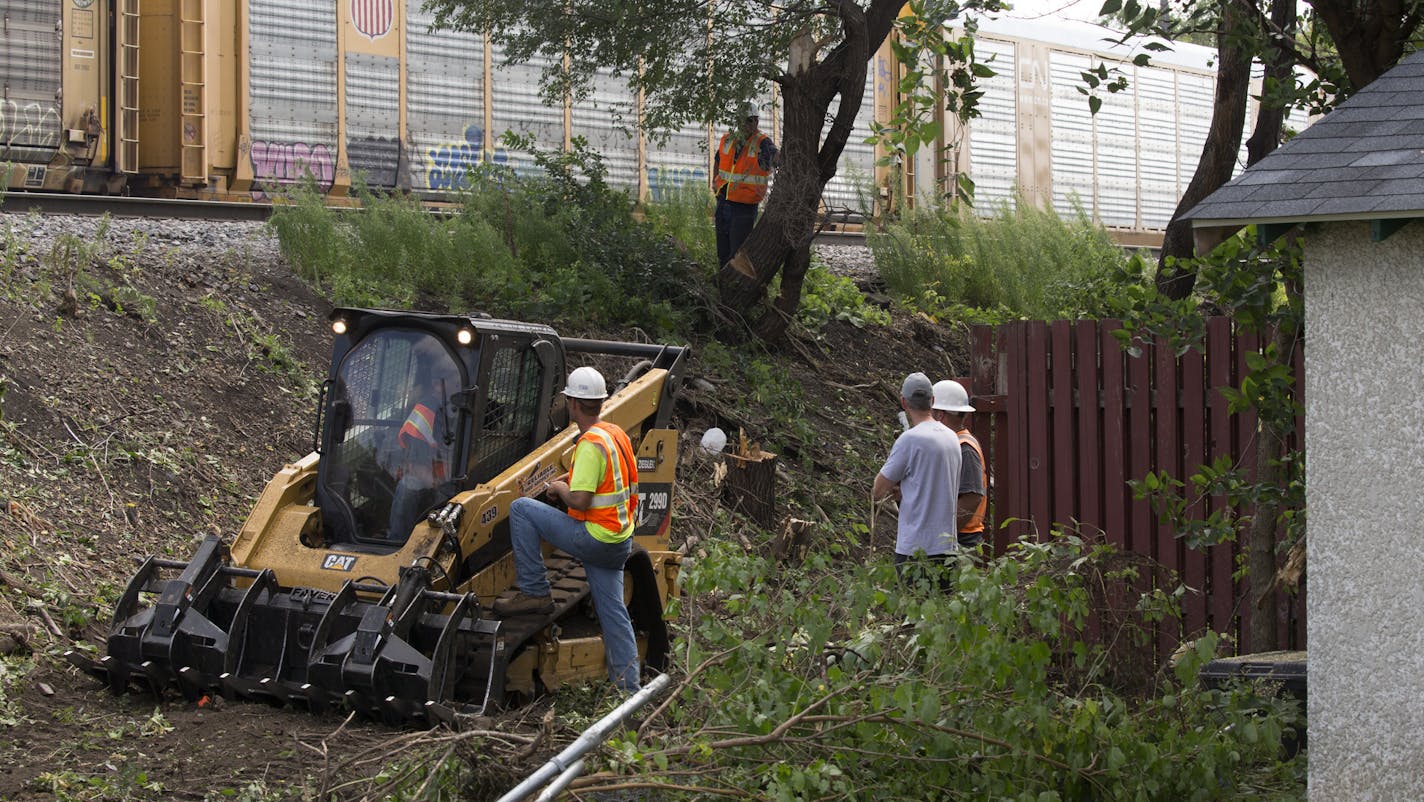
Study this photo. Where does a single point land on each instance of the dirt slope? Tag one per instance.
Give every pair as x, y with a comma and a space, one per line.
146, 395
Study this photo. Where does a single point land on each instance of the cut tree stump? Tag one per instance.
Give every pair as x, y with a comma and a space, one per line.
790, 546
750, 487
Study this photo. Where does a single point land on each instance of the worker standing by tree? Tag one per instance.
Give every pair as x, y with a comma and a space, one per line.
952, 408
741, 172
601, 493
922, 463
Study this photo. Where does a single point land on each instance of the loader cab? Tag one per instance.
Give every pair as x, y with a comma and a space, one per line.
420, 407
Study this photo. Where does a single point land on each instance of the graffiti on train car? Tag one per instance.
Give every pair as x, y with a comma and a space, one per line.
283, 163
448, 164
663, 182
29, 125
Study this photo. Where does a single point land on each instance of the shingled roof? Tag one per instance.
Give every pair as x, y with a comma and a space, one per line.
1362, 161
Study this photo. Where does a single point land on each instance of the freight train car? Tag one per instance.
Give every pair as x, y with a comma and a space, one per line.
1036, 140
231, 99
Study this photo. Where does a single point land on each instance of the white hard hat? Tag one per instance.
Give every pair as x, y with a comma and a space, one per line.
749, 110
714, 439
586, 382
950, 396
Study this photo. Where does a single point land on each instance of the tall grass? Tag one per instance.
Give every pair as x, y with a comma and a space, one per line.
563, 248
1024, 262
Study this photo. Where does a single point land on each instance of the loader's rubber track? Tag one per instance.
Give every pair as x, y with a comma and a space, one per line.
394, 654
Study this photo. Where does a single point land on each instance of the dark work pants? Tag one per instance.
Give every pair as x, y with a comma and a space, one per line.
734, 223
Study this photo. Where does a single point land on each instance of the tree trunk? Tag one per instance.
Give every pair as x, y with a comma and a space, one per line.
1280, 66
1369, 37
772, 326
1218, 158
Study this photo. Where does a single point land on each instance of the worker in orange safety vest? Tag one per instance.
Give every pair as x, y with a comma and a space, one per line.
600, 492
741, 173
951, 407
421, 468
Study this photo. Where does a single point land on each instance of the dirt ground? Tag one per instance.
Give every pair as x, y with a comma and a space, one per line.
145, 400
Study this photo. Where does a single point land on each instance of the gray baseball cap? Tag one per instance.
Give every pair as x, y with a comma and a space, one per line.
917, 387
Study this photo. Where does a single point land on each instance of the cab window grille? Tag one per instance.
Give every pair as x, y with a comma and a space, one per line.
510, 416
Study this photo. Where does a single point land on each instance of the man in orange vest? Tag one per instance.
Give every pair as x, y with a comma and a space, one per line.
421, 461
601, 493
741, 171
951, 407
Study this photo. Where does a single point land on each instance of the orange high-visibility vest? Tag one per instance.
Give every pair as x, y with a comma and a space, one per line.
976, 524
420, 426
616, 498
743, 175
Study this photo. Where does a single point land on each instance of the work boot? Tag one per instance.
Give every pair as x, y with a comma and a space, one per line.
522, 603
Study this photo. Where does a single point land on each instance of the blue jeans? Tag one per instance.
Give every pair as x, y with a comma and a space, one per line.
531, 521
734, 222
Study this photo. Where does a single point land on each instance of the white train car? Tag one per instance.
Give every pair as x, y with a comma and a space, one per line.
1036, 140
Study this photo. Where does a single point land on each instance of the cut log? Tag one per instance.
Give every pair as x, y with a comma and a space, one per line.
750, 488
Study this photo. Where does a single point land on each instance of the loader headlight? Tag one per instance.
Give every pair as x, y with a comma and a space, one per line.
338, 326
465, 336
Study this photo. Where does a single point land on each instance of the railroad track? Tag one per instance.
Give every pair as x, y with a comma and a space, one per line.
124, 206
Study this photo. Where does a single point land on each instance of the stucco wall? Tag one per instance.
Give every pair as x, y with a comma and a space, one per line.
1364, 434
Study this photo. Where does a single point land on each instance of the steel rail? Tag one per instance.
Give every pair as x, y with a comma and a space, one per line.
129, 206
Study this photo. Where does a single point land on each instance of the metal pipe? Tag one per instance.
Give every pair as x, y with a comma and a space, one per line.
564, 761
561, 782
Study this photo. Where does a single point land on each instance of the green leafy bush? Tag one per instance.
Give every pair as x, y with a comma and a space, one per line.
560, 246
832, 682
1024, 262
826, 296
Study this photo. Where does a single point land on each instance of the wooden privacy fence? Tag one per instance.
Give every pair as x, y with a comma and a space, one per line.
1067, 417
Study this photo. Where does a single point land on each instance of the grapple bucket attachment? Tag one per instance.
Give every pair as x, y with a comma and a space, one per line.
403, 654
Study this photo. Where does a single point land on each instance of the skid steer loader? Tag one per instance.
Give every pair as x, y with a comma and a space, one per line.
364, 576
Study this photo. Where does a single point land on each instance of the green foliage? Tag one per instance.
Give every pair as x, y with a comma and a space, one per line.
127, 782
14, 668
683, 215
831, 682
1203, 525
826, 296
1019, 263
264, 346
561, 246
1259, 288
89, 275
939, 74
776, 402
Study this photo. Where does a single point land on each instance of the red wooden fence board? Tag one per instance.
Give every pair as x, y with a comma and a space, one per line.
1090, 444
1140, 446
1114, 468
1016, 479
1062, 456
1168, 458
1193, 415
1220, 558
1245, 449
1040, 472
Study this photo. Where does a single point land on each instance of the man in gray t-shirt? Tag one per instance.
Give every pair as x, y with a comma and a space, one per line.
923, 462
